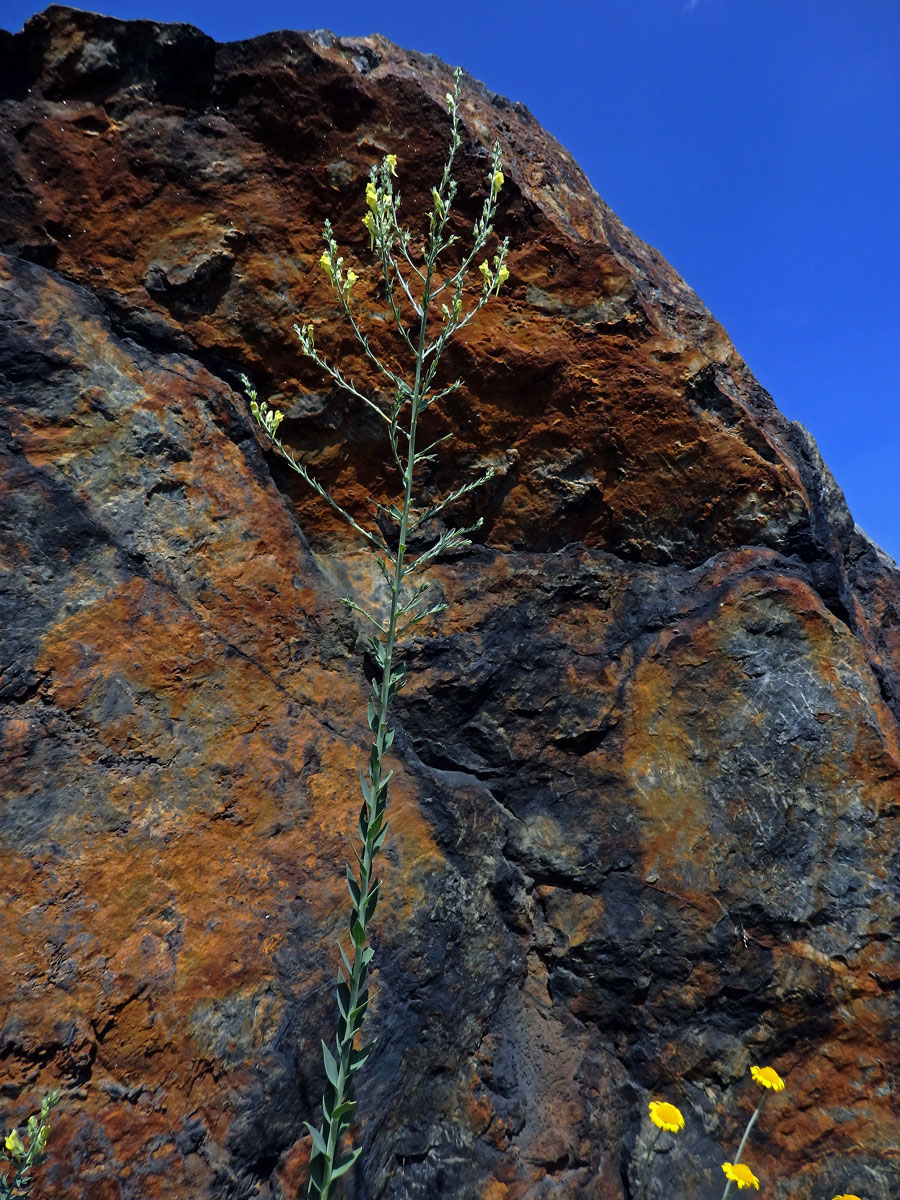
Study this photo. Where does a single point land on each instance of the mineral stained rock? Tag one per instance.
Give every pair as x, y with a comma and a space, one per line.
645, 820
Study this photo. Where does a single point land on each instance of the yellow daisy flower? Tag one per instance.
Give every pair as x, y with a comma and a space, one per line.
767, 1078
846, 1196
740, 1175
666, 1116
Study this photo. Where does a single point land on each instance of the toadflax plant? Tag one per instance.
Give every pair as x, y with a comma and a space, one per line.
429, 302
24, 1158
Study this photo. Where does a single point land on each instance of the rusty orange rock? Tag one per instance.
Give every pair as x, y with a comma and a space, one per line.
645, 821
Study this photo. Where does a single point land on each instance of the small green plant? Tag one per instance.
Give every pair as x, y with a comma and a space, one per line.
23, 1157
414, 277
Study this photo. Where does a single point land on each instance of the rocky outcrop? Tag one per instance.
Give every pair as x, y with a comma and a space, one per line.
645, 821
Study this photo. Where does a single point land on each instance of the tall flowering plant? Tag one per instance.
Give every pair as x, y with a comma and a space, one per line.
428, 302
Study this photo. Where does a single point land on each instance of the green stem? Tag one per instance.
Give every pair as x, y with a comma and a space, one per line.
743, 1143
371, 825
646, 1172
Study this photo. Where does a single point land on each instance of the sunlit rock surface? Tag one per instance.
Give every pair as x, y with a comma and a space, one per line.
645, 822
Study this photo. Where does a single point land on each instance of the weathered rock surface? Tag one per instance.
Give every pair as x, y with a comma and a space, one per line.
645, 824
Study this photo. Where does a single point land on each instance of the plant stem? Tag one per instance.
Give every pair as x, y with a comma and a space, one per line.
643, 1184
371, 822
743, 1143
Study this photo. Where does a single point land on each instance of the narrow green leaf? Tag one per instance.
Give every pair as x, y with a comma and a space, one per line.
347, 962
353, 887
358, 933
343, 999
318, 1141
331, 1067
382, 783
358, 1057
343, 1112
346, 1164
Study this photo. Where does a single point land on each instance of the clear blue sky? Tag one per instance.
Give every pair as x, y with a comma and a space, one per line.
755, 143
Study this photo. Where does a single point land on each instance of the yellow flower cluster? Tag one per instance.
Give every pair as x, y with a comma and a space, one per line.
492, 280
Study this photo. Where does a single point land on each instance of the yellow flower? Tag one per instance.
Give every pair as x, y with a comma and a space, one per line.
371, 196
391, 160
13, 1144
502, 276
325, 264
485, 270
448, 97
351, 279
369, 222
666, 1116
767, 1078
846, 1196
740, 1175
497, 182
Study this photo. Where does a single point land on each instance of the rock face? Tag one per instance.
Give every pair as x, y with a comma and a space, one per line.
645, 821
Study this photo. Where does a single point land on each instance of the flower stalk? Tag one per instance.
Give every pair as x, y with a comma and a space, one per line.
736, 1172
411, 283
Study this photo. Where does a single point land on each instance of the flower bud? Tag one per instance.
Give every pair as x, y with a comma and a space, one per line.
369, 222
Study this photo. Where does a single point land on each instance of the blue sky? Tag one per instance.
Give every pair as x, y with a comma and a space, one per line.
755, 143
